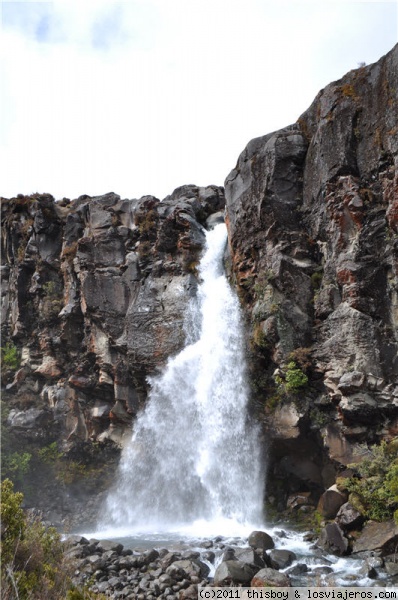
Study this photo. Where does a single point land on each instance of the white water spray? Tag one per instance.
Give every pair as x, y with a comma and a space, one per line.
194, 457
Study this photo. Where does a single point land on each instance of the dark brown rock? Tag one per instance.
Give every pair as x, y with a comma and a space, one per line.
349, 517
381, 537
280, 559
332, 540
261, 540
331, 501
234, 571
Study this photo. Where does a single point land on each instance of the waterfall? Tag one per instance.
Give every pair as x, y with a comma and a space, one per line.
194, 455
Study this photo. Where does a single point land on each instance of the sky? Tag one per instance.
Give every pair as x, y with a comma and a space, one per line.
142, 96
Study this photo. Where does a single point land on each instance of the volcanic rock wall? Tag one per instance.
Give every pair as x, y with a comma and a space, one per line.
94, 297
312, 214
95, 294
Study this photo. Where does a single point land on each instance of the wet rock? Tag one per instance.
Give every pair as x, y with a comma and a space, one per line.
391, 567
261, 540
109, 545
270, 578
332, 540
298, 569
191, 567
249, 555
209, 555
280, 559
228, 554
234, 571
322, 570
371, 567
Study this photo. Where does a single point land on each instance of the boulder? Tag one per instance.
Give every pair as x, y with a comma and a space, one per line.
261, 540
331, 501
249, 555
209, 555
228, 554
191, 567
270, 578
371, 567
189, 593
332, 540
391, 568
380, 537
299, 499
298, 569
106, 545
280, 559
234, 571
75, 540
349, 517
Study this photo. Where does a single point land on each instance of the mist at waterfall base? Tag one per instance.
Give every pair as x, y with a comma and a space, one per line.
194, 464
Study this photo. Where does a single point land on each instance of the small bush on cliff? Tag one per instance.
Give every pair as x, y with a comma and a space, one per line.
9, 357
33, 565
50, 454
376, 485
294, 379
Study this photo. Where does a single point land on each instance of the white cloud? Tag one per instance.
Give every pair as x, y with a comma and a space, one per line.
143, 96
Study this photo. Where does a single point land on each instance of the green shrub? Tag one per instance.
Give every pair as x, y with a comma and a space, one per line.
49, 454
71, 471
33, 565
294, 379
12, 519
9, 357
16, 465
376, 485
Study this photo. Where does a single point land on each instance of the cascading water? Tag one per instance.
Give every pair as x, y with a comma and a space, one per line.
194, 456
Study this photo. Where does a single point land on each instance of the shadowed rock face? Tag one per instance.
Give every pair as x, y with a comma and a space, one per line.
312, 215
95, 296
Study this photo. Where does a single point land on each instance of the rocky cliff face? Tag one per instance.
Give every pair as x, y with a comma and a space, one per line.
312, 214
94, 297
94, 293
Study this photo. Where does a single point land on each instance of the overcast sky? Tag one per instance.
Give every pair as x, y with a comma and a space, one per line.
143, 96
